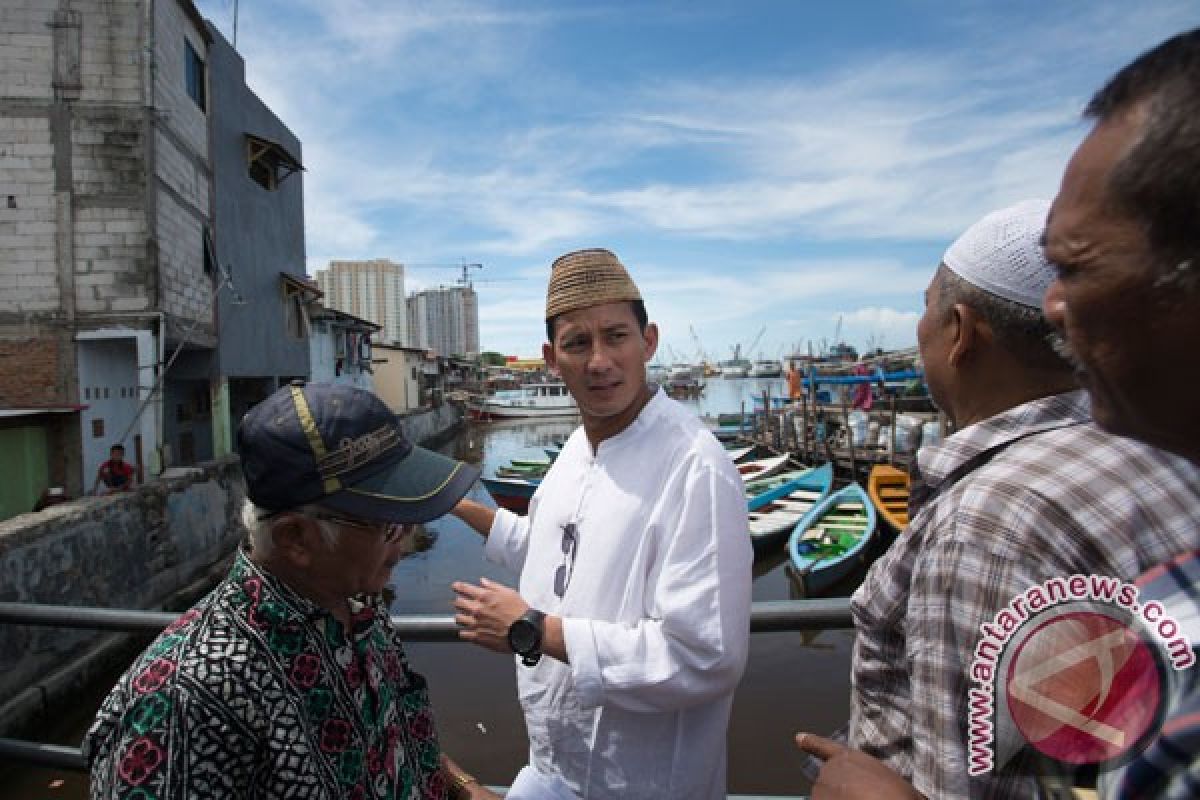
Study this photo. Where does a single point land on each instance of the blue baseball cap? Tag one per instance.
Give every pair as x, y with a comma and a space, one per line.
341, 448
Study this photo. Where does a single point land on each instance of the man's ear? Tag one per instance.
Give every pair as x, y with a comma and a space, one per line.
548, 357
294, 537
971, 332
650, 335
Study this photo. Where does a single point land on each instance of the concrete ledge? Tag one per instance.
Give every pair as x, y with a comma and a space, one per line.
146, 549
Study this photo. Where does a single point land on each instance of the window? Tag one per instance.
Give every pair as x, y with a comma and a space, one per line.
268, 163
195, 77
296, 296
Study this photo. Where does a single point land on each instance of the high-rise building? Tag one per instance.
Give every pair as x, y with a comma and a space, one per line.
372, 290
445, 320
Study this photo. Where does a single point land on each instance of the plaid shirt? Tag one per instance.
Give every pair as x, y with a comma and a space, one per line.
1057, 496
1169, 767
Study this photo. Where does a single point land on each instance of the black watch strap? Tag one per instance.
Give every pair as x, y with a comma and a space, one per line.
525, 636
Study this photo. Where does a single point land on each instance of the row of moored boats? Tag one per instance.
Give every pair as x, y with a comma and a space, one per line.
827, 531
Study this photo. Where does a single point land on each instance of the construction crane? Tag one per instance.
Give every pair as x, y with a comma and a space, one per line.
701, 354
750, 350
466, 268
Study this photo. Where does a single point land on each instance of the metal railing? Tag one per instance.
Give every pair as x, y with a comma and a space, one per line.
771, 617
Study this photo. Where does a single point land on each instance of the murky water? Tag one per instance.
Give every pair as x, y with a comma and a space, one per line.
793, 681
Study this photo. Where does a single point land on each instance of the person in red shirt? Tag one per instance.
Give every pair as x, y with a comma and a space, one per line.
114, 475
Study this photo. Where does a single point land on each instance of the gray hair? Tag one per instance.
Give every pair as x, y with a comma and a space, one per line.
1019, 329
260, 525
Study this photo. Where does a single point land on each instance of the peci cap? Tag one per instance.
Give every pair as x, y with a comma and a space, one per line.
587, 278
1002, 254
342, 448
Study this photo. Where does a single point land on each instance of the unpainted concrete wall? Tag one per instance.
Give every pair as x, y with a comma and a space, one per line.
122, 551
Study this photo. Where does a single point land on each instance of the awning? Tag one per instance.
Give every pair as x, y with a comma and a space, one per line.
33, 412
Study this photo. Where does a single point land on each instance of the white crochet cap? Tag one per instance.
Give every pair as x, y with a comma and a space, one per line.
1002, 253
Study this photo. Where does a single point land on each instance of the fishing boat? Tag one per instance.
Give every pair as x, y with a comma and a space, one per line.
828, 542
511, 493
775, 512
520, 472
759, 485
736, 370
534, 463
736, 454
765, 368
530, 400
888, 488
763, 467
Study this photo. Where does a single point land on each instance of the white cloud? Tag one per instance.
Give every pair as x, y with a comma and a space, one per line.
436, 131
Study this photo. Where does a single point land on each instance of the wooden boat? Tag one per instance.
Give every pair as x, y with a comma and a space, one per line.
828, 542
760, 485
888, 488
774, 513
763, 467
736, 454
530, 463
519, 472
511, 493
531, 400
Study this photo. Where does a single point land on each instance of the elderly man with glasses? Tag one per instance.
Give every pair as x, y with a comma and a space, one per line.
288, 680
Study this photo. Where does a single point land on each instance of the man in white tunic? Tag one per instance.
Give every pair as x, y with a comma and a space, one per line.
632, 617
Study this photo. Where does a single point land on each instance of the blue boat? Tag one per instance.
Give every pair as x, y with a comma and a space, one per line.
775, 512
512, 493
831, 539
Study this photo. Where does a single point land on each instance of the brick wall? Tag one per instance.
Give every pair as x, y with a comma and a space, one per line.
30, 372
26, 50
183, 174
27, 212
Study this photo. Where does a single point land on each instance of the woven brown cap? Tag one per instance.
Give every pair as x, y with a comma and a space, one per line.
587, 278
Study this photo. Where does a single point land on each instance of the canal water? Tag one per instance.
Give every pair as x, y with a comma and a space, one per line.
794, 681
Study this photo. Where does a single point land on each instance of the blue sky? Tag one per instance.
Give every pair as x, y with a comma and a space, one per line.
753, 163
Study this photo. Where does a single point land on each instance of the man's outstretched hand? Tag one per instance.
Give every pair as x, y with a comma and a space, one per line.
485, 612
851, 774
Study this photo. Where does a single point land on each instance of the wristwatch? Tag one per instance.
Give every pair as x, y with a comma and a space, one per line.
525, 636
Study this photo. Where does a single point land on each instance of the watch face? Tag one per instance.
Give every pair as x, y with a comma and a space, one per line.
523, 636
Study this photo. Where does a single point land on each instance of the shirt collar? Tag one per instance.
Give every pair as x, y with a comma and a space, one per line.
653, 409
246, 572
1045, 413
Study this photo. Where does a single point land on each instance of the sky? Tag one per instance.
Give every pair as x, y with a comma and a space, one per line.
774, 174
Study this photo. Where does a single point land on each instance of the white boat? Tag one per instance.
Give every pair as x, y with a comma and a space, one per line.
738, 371
762, 468
685, 373
530, 400
766, 369
657, 373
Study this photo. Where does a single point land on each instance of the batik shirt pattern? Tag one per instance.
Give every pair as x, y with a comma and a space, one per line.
258, 693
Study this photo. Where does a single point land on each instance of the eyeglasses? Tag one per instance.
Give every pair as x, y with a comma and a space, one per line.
391, 531
562, 576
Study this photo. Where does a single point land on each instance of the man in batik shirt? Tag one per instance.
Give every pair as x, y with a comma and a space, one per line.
288, 680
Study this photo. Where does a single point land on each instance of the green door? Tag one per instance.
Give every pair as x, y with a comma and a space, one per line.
24, 463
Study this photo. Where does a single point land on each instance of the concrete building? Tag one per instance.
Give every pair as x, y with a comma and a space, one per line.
372, 290
258, 230
104, 204
151, 240
341, 347
400, 376
445, 320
